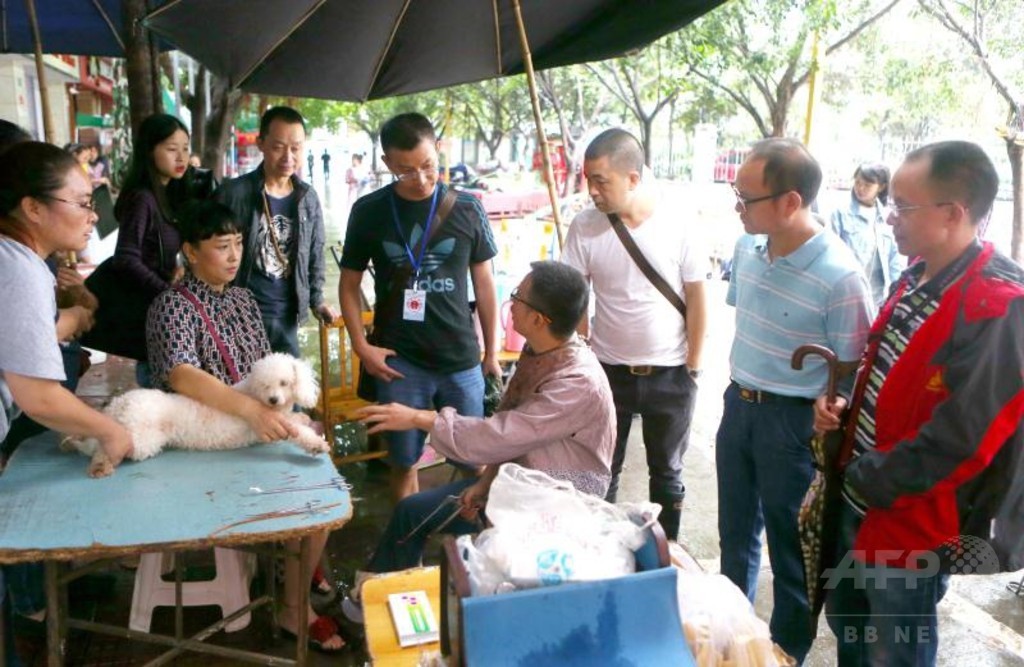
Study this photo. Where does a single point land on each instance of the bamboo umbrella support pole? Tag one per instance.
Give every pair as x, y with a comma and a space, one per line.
44, 95
542, 140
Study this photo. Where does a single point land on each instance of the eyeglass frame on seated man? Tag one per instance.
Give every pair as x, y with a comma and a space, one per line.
514, 295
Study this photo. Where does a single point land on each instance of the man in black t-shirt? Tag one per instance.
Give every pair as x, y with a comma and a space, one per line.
425, 353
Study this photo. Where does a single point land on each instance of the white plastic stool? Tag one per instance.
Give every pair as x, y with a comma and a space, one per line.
229, 589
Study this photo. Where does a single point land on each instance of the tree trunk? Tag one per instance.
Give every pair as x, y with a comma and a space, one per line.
646, 125
197, 105
138, 63
1015, 151
224, 104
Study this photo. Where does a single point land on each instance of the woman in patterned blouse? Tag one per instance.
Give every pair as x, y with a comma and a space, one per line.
184, 358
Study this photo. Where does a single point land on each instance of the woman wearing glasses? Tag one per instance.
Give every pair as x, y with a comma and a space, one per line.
862, 226
148, 240
45, 207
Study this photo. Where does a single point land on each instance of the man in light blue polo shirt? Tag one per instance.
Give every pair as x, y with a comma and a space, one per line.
793, 283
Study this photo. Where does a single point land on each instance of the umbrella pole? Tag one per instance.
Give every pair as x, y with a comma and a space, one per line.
44, 96
542, 140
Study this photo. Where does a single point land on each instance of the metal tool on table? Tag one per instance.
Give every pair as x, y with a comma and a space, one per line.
451, 516
334, 483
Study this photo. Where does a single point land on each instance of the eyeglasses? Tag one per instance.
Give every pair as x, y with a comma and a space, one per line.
425, 173
88, 206
895, 210
515, 297
745, 201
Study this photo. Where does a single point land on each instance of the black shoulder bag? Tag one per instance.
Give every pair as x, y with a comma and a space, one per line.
645, 267
120, 320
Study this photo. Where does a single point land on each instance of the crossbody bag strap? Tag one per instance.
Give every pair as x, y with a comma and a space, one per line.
218, 341
401, 275
645, 267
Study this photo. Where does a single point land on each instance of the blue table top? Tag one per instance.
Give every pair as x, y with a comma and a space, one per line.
179, 499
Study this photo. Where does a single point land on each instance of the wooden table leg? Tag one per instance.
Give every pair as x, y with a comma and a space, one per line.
54, 634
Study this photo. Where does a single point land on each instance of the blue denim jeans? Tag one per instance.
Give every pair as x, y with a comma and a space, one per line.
428, 390
764, 468
882, 615
283, 334
402, 544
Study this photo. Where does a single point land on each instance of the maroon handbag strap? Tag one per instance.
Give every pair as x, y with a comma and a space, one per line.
225, 355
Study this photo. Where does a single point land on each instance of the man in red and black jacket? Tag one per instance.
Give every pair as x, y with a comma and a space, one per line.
934, 483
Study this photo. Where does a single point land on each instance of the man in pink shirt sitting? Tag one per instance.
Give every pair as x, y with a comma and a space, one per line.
557, 416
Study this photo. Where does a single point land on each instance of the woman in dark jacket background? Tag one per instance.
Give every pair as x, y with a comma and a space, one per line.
148, 240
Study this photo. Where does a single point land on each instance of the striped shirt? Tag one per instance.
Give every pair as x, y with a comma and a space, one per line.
815, 295
914, 307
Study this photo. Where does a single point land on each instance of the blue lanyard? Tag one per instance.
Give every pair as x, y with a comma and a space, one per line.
415, 261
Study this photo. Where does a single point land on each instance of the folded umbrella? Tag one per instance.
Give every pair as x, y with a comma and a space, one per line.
819, 511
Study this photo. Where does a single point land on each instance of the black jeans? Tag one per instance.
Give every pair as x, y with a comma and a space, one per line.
664, 399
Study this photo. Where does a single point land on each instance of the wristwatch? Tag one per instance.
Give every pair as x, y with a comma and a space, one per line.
694, 373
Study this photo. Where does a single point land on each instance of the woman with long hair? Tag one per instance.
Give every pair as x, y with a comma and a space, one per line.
862, 226
148, 240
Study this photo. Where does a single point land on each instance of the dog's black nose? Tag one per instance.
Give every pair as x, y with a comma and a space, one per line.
274, 400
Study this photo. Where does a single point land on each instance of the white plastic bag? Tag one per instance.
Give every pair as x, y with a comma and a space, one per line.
720, 625
546, 533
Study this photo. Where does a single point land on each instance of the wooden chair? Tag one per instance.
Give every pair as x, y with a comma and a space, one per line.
339, 376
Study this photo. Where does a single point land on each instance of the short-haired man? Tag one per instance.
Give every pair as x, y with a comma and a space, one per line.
283, 230
650, 352
425, 352
934, 419
793, 283
557, 416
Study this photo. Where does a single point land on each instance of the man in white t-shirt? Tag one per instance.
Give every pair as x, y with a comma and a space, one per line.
650, 353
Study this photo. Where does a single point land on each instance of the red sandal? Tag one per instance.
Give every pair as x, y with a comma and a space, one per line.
321, 631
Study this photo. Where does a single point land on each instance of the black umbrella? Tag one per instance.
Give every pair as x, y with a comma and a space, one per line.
366, 49
819, 511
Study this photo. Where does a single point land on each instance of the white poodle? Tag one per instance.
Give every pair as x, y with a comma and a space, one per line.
157, 419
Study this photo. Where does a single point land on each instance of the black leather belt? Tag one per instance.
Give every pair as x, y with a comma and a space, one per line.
759, 396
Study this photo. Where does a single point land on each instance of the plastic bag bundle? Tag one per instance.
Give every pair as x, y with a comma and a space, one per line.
546, 533
720, 625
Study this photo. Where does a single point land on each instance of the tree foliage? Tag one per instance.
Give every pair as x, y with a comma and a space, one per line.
492, 111
992, 32
759, 52
645, 83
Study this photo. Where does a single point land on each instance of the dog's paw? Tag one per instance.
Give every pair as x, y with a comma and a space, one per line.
301, 418
101, 468
316, 446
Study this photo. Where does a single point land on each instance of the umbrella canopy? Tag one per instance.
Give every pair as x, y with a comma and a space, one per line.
367, 49
79, 27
